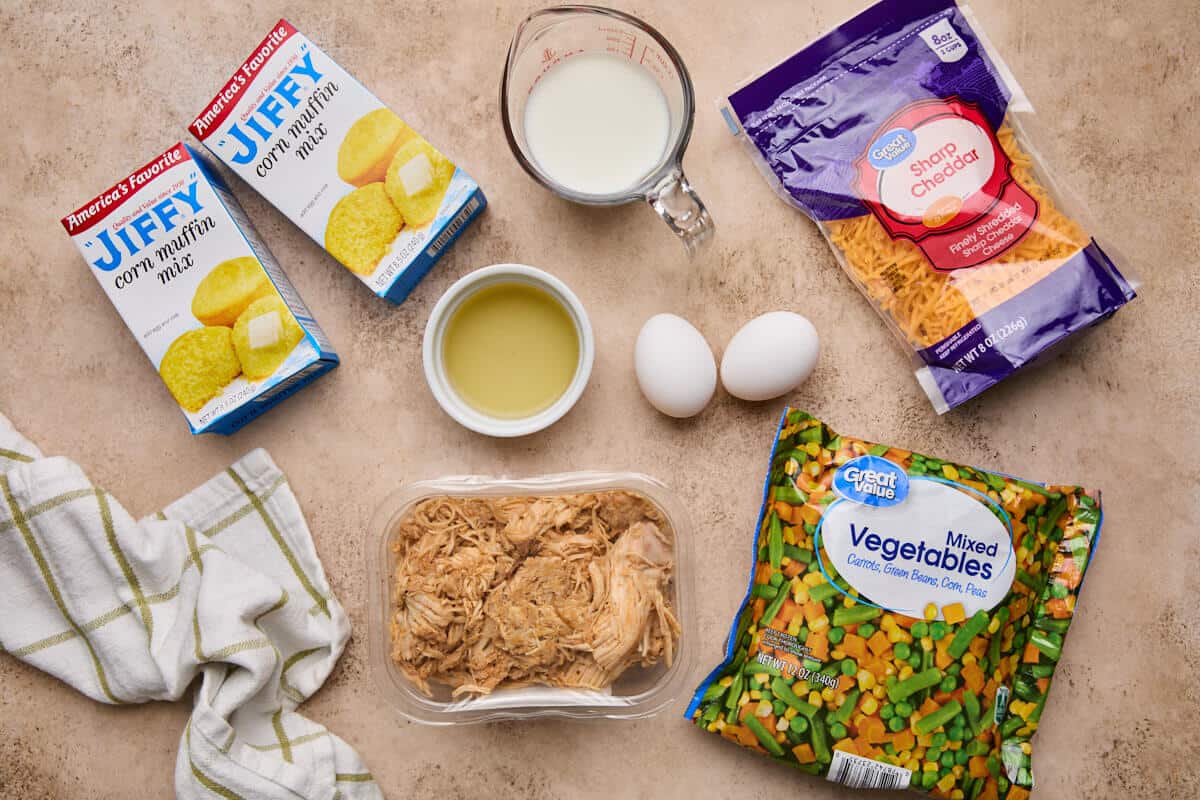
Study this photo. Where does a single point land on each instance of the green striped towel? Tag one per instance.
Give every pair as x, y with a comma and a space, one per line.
223, 584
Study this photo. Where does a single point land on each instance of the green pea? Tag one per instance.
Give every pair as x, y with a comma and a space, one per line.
849, 668
961, 757
798, 724
948, 684
920, 630
957, 733
947, 759
937, 631
837, 730
940, 740
897, 724
836, 635
902, 651
928, 779
954, 669
887, 712
866, 630
914, 660
779, 707
803, 633
933, 754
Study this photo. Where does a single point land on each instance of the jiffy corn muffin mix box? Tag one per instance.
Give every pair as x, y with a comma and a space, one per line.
346, 169
200, 291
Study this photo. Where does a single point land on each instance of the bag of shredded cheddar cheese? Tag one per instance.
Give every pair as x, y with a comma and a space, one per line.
900, 134
904, 619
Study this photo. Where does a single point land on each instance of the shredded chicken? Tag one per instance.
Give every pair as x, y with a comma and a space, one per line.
567, 590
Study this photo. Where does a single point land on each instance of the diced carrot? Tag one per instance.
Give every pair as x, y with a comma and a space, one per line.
1018, 793
990, 791
854, 646
1032, 654
928, 707
794, 568
977, 767
783, 510
904, 740
942, 659
818, 643
760, 606
809, 514
813, 611
973, 677
897, 455
978, 646
875, 730
747, 738
847, 746
845, 683
788, 610
1043, 684
879, 643
954, 613
804, 753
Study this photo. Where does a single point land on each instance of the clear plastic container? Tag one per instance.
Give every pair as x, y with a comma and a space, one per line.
639, 692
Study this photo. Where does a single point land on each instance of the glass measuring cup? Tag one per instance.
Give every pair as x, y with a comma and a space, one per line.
544, 40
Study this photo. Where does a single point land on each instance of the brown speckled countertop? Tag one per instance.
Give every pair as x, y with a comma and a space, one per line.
95, 89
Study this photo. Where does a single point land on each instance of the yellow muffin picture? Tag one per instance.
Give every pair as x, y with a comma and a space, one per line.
225, 292
264, 335
362, 227
417, 180
368, 147
199, 364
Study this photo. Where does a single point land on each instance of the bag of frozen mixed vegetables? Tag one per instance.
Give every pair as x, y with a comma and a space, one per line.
902, 135
904, 619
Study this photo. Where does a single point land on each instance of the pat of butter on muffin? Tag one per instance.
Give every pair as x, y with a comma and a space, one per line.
265, 330
416, 174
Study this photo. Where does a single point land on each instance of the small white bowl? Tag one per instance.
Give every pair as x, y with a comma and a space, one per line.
435, 330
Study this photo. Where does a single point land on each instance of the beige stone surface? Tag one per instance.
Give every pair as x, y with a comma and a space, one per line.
95, 89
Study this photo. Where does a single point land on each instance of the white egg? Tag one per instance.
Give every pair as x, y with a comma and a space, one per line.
769, 356
675, 366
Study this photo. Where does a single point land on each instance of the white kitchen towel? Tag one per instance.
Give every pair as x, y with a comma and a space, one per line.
223, 584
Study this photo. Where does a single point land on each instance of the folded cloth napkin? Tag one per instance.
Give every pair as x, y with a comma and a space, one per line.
223, 584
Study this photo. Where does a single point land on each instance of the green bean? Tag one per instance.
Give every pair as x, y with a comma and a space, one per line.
784, 692
765, 590
710, 714
1052, 516
936, 719
789, 494
775, 541
822, 592
763, 735
1011, 726
735, 694
851, 616
1050, 644
914, 683
797, 554
714, 690
820, 740
970, 629
1051, 624
1036, 489
759, 668
773, 609
846, 708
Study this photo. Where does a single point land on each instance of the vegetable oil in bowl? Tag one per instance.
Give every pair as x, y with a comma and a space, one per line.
510, 350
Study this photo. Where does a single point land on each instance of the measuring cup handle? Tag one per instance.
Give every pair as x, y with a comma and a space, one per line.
682, 210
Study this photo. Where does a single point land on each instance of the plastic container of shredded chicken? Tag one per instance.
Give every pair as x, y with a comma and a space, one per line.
558, 596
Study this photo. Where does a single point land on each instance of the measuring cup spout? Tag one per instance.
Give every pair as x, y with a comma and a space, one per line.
680, 207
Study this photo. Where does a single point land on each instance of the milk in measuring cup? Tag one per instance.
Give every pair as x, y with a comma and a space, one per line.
597, 123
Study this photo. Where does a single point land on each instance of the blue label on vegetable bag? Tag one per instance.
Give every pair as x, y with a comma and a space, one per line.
871, 481
891, 148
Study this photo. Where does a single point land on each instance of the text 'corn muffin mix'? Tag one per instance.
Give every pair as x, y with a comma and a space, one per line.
200, 291
327, 152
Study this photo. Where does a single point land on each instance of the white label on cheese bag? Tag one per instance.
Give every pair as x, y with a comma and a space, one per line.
937, 544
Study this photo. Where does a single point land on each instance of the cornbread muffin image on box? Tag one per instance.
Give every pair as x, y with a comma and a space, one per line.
199, 364
362, 227
368, 147
264, 335
228, 289
417, 180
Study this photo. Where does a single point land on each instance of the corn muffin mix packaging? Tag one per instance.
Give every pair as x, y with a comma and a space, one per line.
905, 617
200, 291
327, 153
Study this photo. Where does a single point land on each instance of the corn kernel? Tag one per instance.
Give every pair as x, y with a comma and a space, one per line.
790, 714
927, 644
721, 724
912, 765
888, 622
890, 669
813, 449
866, 680
870, 705
969, 658
814, 579
793, 627
814, 699
1026, 748
781, 724
929, 766
994, 625
744, 699
827, 694
790, 467
762, 678
947, 782
905, 672
819, 624
789, 535
849, 602
755, 694
957, 794
783, 562
931, 612
727, 681
712, 727
763, 710
838, 653
950, 472
879, 691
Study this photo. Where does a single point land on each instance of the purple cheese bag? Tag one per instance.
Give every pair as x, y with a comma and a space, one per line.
900, 134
